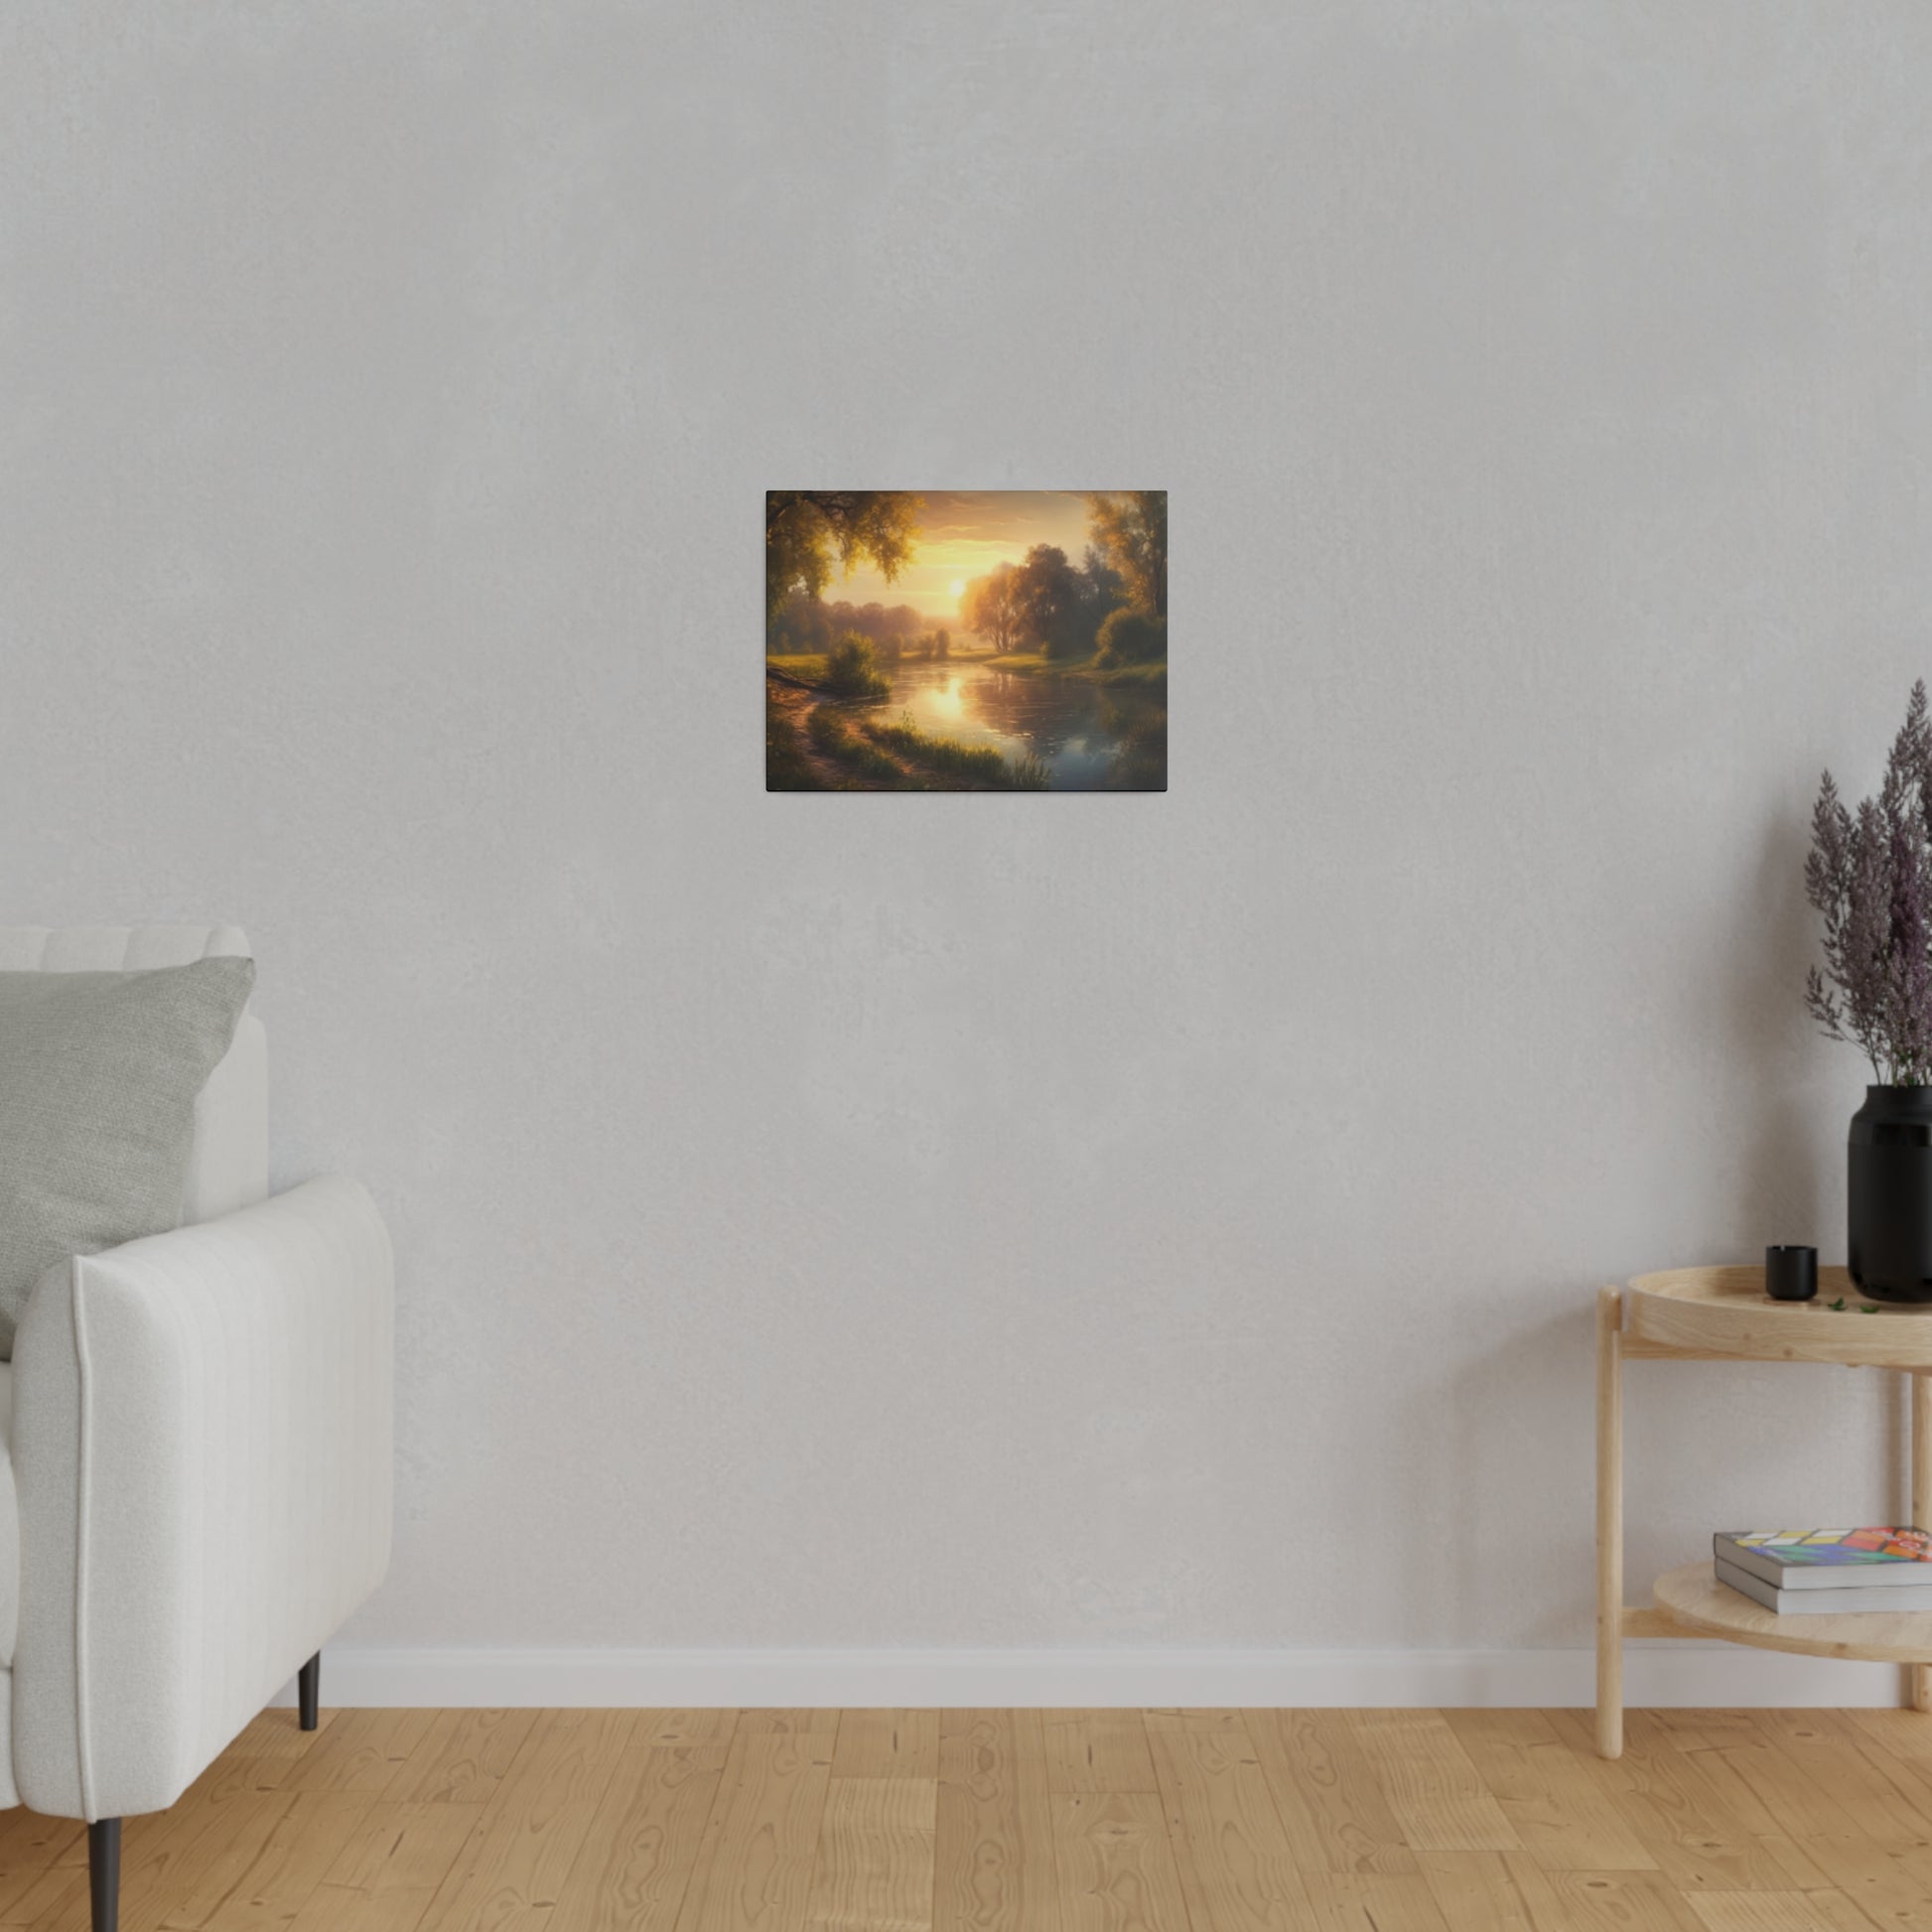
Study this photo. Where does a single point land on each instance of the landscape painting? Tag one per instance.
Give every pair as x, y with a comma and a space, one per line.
966, 640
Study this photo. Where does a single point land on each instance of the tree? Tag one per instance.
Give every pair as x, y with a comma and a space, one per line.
1131, 636
992, 605
1051, 604
802, 624
874, 621
1105, 588
1130, 529
807, 531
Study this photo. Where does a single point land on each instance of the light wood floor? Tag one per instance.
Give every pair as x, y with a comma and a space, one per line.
1058, 1821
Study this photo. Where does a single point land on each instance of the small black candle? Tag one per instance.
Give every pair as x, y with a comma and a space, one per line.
1791, 1274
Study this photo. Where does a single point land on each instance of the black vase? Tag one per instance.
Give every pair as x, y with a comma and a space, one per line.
1890, 1194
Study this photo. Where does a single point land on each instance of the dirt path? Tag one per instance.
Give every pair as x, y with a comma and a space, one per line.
796, 702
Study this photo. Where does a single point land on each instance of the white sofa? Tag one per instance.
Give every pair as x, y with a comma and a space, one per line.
197, 1427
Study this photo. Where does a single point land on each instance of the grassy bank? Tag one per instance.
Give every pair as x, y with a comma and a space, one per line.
902, 757
849, 670
807, 667
1031, 664
831, 734
978, 764
787, 768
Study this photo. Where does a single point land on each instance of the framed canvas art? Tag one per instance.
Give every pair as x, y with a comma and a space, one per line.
966, 640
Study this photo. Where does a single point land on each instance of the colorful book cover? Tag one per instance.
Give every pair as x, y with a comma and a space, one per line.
1822, 1549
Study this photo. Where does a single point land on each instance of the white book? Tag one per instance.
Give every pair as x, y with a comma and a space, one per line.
1897, 1600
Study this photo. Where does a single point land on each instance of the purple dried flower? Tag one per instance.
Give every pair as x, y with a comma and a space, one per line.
1908, 975
1871, 879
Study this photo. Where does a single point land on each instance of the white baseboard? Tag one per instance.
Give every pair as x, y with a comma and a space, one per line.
1655, 1674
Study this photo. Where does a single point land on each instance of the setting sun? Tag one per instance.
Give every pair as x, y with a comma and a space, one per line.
959, 587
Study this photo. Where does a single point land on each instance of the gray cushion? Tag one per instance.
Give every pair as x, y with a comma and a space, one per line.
98, 1073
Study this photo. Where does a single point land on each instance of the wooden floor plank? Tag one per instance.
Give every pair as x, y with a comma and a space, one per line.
1779, 1911
874, 1868
1331, 1807
1022, 1821
292, 1861
643, 1845
30, 1848
361, 1750
1237, 1869
1701, 1731
887, 1745
1437, 1795
994, 1866
1552, 1793
1496, 1892
686, 1726
1116, 1867
512, 1867
463, 1758
1819, 1746
1373, 1901
758, 1870
1617, 1901
1696, 1841
1902, 1734
800, 1721
1775, 1796
279, 1733
1891, 1885
220, 1841
1097, 1750
384, 1877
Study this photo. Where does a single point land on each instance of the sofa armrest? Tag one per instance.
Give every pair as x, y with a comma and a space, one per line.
202, 1448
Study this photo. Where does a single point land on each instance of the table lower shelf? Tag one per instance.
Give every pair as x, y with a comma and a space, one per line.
1694, 1601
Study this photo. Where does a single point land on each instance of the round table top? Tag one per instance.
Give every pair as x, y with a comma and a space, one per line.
1694, 1598
1726, 1312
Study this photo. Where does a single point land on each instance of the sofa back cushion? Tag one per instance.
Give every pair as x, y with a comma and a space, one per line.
99, 1074
228, 1164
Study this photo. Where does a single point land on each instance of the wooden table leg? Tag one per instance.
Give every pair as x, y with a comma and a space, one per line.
1610, 1522
1921, 1674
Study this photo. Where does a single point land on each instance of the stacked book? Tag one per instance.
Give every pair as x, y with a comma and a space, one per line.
1828, 1573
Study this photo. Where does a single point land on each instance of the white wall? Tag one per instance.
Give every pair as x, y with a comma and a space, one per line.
1164, 1221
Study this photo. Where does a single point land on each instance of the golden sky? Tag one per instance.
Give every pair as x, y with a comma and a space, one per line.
963, 533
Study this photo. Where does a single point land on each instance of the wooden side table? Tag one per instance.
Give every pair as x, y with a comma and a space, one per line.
1707, 1314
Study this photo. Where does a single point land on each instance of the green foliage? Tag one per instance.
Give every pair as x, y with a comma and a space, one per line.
994, 607
851, 669
808, 668
802, 623
950, 758
829, 734
787, 768
809, 532
1131, 636
1130, 529
1151, 677
1053, 609
1045, 604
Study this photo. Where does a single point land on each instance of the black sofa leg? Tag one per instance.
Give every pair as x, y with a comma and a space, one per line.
105, 1873
308, 1690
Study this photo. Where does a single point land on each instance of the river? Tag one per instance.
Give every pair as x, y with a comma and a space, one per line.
1091, 737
